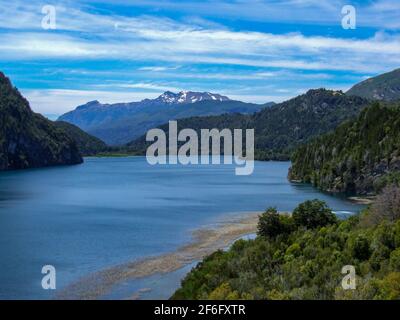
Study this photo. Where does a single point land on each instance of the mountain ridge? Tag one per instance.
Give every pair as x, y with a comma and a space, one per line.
28, 139
120, 123
87, 144
383, 87
281, 127
184, 97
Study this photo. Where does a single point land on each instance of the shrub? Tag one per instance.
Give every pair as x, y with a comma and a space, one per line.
360, 248
272, 224
313, 214
395, 260
389, 287
224, 292
294, 250
379, 257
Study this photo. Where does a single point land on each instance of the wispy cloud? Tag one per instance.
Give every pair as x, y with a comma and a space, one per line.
141, 85
157, 69
99, 36
61, 100
129, 49
212, 46
378, 14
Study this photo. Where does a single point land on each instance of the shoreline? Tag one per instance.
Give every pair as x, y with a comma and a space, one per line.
205, 240
366, 200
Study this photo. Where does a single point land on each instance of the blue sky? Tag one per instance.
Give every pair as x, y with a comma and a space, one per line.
255, 51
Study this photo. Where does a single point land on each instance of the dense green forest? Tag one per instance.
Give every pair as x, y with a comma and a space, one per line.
282, 127
28, 139
301, 256
359, 157
87, 144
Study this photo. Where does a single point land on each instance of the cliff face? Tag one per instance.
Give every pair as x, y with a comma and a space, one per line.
28, 139
359, 157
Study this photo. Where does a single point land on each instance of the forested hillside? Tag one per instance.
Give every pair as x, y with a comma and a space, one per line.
282, 127
28, 139
301, 257
359, 157
87, 144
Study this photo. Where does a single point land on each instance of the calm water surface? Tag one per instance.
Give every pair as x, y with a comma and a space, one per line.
108, 211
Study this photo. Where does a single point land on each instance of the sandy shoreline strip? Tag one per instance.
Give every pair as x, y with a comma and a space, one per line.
205, 241
363, 199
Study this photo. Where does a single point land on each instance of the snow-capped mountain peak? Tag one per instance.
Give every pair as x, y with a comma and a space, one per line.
184, 97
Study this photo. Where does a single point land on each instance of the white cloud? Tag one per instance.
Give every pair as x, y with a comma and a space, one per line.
167, 47
378, 14
141, 85
260, 99
157, 68
58, 101
146, 38
214, 46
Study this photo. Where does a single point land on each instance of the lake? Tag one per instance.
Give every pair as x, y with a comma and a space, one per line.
107, 211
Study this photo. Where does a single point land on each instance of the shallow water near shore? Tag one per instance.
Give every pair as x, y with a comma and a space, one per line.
111, 211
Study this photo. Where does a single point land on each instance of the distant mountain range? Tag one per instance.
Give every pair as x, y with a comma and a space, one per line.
281, 127
189, 97
385, 87
120, 123
28, 139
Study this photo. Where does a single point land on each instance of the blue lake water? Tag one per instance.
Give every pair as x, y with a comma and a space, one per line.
107, 211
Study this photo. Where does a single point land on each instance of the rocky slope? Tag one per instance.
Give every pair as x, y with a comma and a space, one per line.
385, 87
